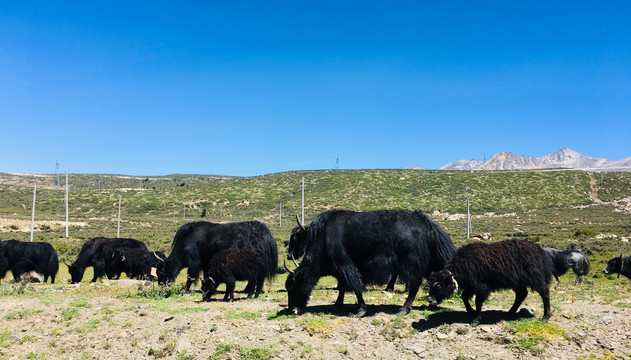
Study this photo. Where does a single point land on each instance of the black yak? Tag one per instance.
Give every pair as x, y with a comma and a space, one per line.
480, 268
359, 248
619, 265
98, 252
196, 243
227, 266
563, 260
136, 263
22, 257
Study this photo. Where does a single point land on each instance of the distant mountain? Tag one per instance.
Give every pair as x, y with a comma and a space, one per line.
415, 167
564, 158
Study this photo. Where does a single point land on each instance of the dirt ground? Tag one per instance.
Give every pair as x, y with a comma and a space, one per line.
109, 321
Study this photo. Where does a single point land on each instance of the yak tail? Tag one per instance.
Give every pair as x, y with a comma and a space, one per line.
269, 248
444, 249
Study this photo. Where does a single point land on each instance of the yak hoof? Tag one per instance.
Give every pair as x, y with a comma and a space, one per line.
361, 312
475, 323
403, 311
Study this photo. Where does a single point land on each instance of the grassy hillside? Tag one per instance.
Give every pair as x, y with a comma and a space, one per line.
553, 207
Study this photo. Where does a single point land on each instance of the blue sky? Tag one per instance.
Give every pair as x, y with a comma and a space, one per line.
250, 88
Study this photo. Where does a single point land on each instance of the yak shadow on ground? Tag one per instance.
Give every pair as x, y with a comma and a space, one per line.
489, 317
346, 310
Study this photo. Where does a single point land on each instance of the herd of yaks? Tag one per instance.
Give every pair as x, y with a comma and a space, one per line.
357, 248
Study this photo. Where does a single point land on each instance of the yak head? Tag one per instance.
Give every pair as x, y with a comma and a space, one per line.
163, 270
209, 288
297, 244
76, 273
614, 265
297, 291
441, 285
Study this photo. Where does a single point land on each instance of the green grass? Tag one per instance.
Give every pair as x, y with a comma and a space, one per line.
533, 335
22, 313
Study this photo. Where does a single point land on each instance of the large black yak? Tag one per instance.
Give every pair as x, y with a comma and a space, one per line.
22, 257
574, 259
366, 247
619, 265
196, 243
227, 266
98, 253
480, 268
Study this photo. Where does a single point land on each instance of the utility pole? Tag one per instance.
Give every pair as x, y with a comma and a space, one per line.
118, 231
56, 178
67, 204
33, 211
303, 201
468, 214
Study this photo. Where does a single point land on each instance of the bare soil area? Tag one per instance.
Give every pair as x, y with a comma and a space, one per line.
120, 320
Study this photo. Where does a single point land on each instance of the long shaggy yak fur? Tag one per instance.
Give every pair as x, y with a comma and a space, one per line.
359, 248
480, 268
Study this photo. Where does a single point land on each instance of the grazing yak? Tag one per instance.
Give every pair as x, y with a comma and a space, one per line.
563, 260
196, 243
365, 247
480, 268
98, 253
22, 257
136, 263
227, 266
619, 265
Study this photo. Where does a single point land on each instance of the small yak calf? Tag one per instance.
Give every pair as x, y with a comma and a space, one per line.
480, 268
227, 266
619, 265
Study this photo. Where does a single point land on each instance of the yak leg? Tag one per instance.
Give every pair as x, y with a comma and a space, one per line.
98, 264
393, 280
252, 280
362, 305
407, 305
520, 295
193, 274
545, 297
259, 286
340, 295
466, 295
229, 291
250, 287
479, 300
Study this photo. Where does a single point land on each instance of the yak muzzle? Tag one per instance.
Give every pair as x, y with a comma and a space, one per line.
432, 302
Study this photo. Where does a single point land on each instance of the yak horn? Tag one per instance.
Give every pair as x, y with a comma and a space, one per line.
302, 227
287, 267
68, 265
294, 260
157, 257
455, 284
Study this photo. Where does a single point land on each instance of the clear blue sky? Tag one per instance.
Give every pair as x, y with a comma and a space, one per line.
250, 88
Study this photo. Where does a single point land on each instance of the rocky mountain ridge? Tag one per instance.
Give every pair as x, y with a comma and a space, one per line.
564, 158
